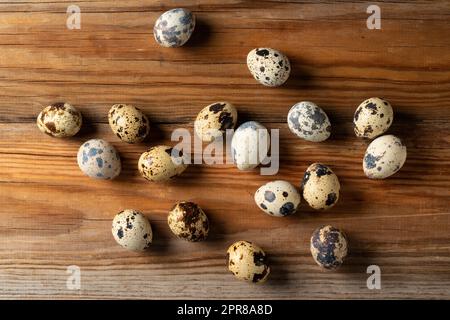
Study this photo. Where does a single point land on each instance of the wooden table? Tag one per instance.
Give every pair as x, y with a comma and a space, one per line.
52, 216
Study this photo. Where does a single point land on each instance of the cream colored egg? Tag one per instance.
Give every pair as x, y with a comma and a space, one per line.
372, 118
174, 27
268, 66
98, 159
161, 163
59, 120
213, 120
128, 123
384, 156
188, 221
132, 230
320, 187
329, 247
278, 198
248, 262
308, 121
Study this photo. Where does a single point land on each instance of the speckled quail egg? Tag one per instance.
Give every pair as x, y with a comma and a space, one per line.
248, 262
268, 66
213, 120
250, 145
320, 187
128, 123
384, 156
372, 118
98, 159
309, 122
132, 230
161, 163
328, 247
174, 27
277, 198
188, 221
59, 120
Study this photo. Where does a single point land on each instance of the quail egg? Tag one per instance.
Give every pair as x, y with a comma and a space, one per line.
59, 120
309, 122
214, 120
161, 163
128, 123
248, 262
268, 66
328, 247
132, 230
174, 27
384, 156
320, 187
99, 160
372, 118
188, 221
278, 198
250, 145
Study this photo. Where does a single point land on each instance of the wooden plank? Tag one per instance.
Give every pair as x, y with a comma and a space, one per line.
53, 217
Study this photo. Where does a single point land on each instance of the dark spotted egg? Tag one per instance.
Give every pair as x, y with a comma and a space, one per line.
98, 159
372, 118
329, 247
188, 221
309, 122
128, 123
132, 230
161, 163
174, 27
384, 156
278, 198
268, 66
320, 187
248, 262
59, 120
213, 121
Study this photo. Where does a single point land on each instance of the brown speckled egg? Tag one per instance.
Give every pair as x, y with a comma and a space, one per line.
161, 163
320, 187
213, 120
188, 221
60, 120
372, 118
128, 123
132, 230
268, 66
248, 262
384, 156
277, 198
328, 247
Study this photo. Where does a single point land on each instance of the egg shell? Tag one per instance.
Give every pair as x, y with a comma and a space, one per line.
320, 187
60, 120
247, 140
384, 156
329, 247
278, 198
213, 120
156, 164
188, 221
132, 230
174, 27
248, 262
128, 123
372, 118
309, 122
98, 159
268, 66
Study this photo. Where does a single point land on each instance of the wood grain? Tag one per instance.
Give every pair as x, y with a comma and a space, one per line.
53, 217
